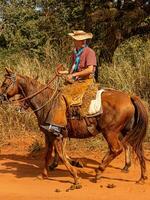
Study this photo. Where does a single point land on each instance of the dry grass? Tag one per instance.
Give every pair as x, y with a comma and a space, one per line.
130, 70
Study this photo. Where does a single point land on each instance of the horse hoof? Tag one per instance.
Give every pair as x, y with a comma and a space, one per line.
95, 180
44, 176
145, 178
140, 182
53, 166
125, 170
40, 177
98, 175
76, 164
78, 186
111, 186
57, 190
74, 187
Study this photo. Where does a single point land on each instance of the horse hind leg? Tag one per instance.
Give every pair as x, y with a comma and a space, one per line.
140, 155
115, 148
127, 147
127, 165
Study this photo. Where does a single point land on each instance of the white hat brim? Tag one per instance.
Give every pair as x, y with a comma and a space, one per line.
81, 37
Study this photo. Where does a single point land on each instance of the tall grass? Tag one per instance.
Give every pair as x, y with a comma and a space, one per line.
129, 72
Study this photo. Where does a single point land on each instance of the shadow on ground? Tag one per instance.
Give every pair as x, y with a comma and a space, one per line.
23, 166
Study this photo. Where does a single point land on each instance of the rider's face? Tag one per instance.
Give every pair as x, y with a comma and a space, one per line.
79, 43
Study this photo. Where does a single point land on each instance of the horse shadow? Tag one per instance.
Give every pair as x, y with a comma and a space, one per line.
27, 166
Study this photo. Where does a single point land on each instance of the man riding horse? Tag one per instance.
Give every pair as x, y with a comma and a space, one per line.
122, 113
80, 75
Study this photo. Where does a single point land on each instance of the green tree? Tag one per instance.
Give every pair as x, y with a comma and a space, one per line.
29, 24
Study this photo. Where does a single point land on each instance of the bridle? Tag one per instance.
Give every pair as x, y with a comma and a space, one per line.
12, 77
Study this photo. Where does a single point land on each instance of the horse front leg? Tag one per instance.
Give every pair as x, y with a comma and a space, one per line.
60, 147
49, 142
55, 161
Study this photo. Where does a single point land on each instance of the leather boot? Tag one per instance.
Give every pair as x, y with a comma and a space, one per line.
56, 130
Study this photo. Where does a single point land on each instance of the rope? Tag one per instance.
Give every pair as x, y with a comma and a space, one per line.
53, 95
36, 93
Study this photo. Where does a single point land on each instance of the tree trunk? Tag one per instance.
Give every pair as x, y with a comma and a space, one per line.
86, 15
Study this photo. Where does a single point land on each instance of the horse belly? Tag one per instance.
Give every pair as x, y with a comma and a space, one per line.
78, 129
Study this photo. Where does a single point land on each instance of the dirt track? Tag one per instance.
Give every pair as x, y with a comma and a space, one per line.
19, 180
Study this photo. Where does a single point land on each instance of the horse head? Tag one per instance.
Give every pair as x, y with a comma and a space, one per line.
10, 85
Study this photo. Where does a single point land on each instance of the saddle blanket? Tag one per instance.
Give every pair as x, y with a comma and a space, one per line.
95, 107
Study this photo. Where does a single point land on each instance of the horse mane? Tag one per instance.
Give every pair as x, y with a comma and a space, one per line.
31, 80
41, 101
34, 83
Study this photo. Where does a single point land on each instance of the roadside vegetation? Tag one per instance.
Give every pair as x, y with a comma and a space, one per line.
33, 41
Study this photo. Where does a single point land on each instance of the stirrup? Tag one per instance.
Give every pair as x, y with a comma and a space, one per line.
56, 130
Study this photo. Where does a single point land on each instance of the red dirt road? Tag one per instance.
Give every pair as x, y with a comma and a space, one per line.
19, 180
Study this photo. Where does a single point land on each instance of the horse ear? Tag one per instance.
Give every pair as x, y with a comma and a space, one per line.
9, 71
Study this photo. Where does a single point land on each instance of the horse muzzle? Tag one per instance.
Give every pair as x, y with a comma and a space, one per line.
3, 97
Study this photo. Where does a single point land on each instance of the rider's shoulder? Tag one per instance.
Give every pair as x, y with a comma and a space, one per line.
89, 50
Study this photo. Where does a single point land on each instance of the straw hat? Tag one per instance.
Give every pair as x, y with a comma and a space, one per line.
80, 35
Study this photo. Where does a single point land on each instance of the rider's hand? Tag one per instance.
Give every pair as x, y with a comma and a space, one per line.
64, 72
70, 77
59, 70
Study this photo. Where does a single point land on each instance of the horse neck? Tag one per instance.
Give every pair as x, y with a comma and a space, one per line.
28, 86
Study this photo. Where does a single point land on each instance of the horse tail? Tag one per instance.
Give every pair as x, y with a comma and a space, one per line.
136, 136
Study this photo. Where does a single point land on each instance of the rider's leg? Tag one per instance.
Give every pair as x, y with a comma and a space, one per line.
56, 119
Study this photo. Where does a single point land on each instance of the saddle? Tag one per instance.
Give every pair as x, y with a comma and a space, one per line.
78, 97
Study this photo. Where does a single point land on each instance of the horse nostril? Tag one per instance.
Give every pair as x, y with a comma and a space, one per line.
2, 98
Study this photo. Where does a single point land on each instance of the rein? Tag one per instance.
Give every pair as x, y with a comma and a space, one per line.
13, 79
44, 88
53, 95
36, 93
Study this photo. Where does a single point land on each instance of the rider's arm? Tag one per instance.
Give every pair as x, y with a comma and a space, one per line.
91, 63
89, 70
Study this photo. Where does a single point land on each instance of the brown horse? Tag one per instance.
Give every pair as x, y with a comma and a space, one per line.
121, 114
